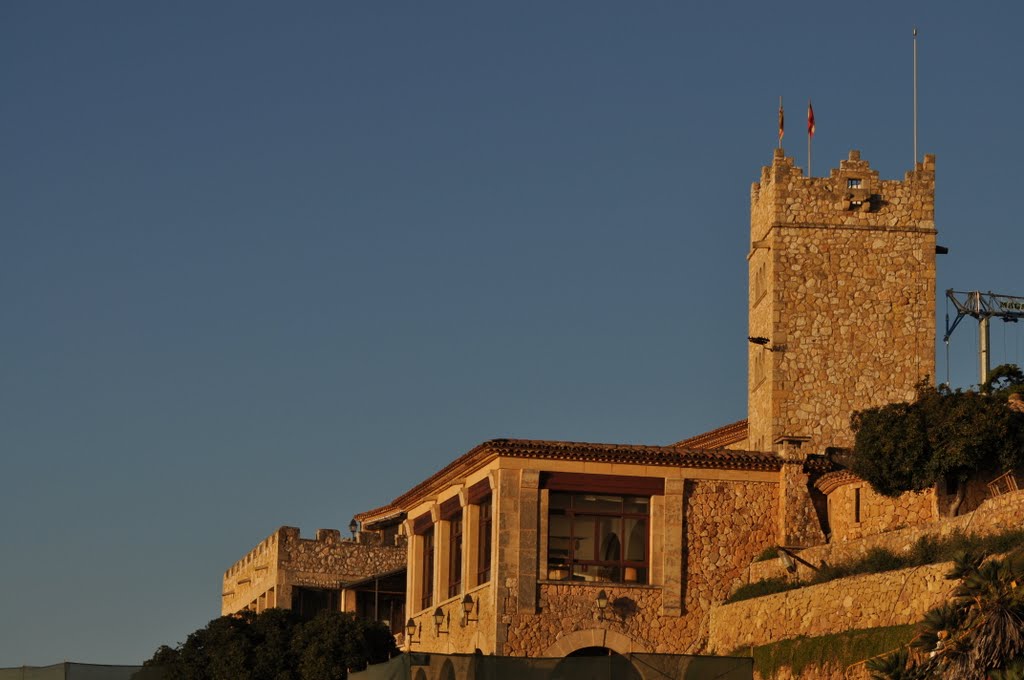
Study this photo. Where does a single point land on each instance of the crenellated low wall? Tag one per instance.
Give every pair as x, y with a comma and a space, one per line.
265, 576
869, 601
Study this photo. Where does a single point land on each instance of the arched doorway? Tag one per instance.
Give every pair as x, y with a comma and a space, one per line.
594, 637
595, 663
447, 671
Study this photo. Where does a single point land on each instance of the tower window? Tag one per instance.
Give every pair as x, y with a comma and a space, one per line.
852, 183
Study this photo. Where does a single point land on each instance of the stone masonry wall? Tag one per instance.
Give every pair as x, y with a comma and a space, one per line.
724, 525
727, 525
848, 305
458, 635
565, 609
328, 561
798, 520
264, 578
878, 513
887, 599
993, 516
251, 578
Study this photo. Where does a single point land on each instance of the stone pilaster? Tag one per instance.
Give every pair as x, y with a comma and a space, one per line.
672, 547
529, 527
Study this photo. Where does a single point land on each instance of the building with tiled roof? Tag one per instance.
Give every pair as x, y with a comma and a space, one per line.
547, 548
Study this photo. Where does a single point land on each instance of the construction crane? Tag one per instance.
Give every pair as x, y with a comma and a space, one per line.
983, 307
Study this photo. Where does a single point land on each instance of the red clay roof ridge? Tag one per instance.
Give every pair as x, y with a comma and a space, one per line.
673, 455
718, 438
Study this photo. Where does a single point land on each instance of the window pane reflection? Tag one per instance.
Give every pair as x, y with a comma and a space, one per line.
598, 537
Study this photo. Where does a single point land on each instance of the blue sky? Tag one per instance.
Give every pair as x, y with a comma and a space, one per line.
268, 263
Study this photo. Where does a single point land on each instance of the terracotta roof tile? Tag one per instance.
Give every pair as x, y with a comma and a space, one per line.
668, 456
831, 481
718, 438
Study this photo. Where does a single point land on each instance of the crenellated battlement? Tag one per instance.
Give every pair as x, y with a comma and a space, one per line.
264, 548
266, 575
852, 196
267, 547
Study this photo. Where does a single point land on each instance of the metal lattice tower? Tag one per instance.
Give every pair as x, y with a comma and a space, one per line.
983, 307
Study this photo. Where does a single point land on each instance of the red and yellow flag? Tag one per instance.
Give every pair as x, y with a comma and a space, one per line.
810, 119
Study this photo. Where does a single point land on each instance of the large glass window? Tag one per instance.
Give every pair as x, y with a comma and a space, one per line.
483, 555
598, 537
308, 602
427, 572
455, 555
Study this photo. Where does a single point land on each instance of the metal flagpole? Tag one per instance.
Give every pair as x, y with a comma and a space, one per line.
781, 122
810, 134
808, 154
915, 96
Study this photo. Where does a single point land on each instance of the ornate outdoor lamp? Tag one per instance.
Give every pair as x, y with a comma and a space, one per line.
602, 603
410, 630
468, 605
440, 618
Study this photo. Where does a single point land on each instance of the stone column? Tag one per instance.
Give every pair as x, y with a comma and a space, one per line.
348, 600
516, 507
542, 536
440, 584
470, 541
672, 517
505, 565
529, 546
413, 571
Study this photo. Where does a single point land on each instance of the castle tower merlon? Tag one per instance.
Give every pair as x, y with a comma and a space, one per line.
852, 195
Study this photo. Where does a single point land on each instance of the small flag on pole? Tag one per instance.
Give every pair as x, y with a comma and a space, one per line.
810, 119
782, 126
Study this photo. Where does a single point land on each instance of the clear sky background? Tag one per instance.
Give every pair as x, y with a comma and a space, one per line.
275, 263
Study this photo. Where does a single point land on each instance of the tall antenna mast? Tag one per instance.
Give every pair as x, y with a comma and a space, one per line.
915, 96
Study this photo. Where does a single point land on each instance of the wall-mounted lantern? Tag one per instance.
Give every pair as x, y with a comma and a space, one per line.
602, 603
411, 630
470, 606
353, 527
440, 618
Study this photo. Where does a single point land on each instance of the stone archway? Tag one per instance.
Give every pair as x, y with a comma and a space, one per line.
595, 662
595, 637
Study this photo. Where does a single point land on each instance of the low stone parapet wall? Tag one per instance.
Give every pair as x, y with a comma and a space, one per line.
869, 601
328, 561
992, 516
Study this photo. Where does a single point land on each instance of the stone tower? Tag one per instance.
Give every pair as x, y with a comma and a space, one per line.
842, 298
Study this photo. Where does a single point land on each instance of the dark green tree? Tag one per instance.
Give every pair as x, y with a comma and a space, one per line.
274, 645
943, 435
1005, 379
334, 642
